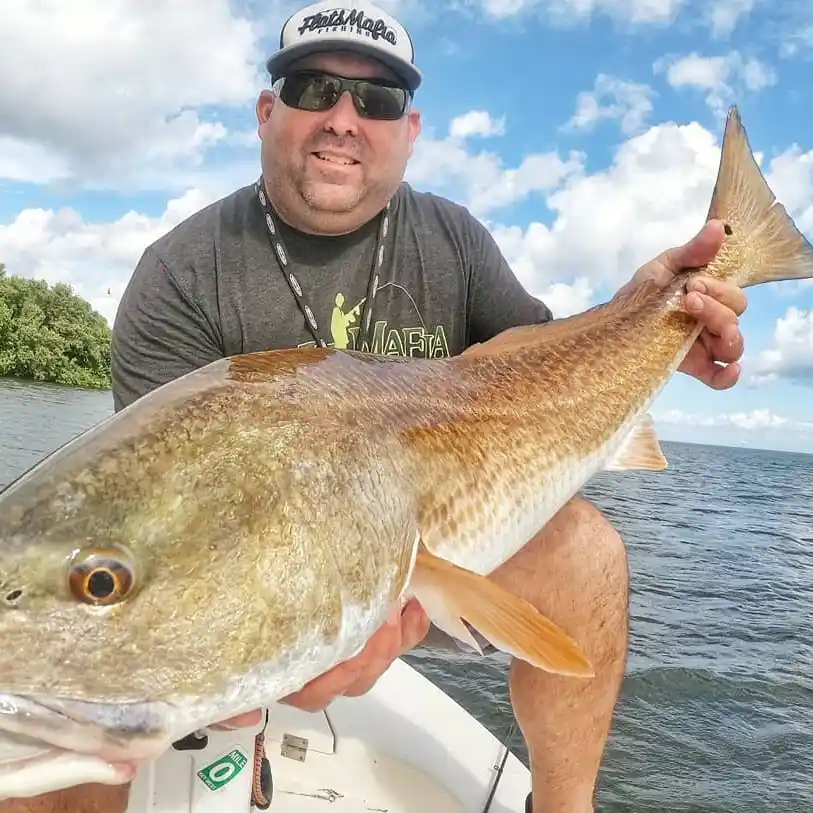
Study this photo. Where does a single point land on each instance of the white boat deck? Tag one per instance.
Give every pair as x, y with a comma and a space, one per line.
405, 747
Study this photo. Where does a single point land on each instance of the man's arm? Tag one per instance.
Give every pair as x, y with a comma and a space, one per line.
497, 300
162, 330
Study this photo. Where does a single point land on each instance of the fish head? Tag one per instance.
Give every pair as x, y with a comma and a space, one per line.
55, 580
95, 664
135, 556
187, 561
71, 628
68, 578
98, 561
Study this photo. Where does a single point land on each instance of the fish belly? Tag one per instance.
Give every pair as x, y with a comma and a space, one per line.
495, 520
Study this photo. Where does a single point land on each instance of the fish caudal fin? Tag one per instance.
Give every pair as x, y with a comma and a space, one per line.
449, 595
763, 243
640, 450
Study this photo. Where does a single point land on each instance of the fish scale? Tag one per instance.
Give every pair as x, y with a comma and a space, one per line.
259, 518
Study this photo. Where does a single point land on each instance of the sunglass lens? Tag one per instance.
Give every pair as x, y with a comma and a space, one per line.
313, 92
380, 101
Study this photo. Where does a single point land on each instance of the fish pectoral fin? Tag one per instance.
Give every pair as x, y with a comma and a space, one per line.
451, 595
641, 450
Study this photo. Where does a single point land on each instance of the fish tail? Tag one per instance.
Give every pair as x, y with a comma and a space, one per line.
451, 595
762, 242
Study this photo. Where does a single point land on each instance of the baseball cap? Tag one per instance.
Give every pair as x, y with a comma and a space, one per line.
347, 25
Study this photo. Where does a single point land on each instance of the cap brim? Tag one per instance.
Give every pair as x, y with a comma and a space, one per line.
279, 62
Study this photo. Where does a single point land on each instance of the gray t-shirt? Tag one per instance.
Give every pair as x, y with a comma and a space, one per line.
212, 287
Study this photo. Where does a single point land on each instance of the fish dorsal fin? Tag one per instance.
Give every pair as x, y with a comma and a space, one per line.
514, 338
627, 302
641, 450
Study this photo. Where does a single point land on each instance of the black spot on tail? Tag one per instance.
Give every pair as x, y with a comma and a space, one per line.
728, 229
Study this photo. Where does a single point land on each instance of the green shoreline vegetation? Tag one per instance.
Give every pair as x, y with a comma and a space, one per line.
51, 334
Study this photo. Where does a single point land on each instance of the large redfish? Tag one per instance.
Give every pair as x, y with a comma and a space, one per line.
242, 529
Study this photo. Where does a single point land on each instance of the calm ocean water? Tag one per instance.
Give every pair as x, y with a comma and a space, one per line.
716, 712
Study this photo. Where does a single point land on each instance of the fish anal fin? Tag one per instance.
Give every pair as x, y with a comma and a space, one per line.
641, 450
450, 594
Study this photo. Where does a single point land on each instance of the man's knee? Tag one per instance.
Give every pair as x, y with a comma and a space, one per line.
577, 559
586, 534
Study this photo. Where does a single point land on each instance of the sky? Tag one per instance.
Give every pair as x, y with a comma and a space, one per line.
584, 134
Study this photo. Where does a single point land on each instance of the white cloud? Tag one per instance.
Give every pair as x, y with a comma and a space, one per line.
22, 160
481, 180
476, 123
634, 11
750, 421
721, 77
107, 89
756, 419
724, 15
653, 195
564, 293
796, 30
790, 355
603, 225
791, 178
795, 41
59, 246
506, 8
613, 98
95, 257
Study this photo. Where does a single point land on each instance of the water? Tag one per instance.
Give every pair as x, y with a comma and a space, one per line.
716, 713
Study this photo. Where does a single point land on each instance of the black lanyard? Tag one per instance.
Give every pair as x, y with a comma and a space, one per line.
282, 260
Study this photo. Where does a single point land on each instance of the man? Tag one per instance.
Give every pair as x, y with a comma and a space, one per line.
333, 248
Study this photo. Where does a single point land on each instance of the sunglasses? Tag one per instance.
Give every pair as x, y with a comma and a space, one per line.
316, 91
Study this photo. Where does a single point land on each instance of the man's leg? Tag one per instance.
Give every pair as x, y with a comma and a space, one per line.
575, 572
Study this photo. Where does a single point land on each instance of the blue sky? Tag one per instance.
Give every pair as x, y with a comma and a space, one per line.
583, 133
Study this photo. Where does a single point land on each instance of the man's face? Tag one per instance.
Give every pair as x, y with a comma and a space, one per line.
331, 171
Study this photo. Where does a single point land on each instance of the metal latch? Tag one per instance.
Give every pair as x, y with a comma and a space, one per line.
294, 747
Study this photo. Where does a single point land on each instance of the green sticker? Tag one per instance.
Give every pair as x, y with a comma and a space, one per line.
223, 770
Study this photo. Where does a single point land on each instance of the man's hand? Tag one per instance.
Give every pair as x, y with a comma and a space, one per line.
716, 305
403, 631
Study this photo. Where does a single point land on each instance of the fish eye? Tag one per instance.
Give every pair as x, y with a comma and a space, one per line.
100, 577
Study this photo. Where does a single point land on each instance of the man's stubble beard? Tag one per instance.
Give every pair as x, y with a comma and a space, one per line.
300, 204
340, 199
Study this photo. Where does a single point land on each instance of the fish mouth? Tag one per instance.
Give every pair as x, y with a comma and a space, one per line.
28, 768
44, 741
116, 733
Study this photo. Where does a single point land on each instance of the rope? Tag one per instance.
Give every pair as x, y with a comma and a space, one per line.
262, 785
